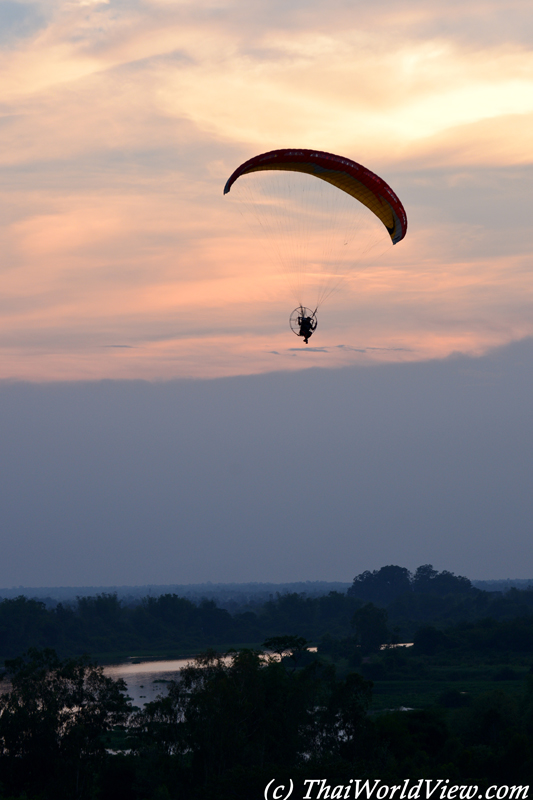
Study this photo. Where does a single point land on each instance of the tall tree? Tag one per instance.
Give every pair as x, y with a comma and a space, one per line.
381, 586
52, 722
246, 712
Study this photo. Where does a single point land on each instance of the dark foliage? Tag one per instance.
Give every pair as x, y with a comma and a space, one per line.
383, 586
103, 624
52, 723
371, 630
169, 623
234, 721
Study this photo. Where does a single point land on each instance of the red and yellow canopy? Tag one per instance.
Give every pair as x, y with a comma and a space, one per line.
345, 174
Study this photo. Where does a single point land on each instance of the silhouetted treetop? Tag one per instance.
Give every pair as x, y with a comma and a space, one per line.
428, 581
381, 586
385, 585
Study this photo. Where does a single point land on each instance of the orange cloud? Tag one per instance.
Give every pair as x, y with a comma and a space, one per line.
121, 125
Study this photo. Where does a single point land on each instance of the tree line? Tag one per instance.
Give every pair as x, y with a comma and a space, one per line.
104, 625
168, 623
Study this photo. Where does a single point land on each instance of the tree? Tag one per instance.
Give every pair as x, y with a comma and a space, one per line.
429, 581
371, 631
342, 722
245, 714
53, 720
243, 709
381, 586
23, 620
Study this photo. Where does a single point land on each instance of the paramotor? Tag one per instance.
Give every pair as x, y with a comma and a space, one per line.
320, 215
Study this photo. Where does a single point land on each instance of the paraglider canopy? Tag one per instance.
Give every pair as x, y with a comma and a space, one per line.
345, 174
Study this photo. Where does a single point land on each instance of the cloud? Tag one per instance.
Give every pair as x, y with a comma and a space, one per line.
308, 350
120, 123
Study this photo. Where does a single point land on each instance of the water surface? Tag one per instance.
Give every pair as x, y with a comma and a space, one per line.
147, 679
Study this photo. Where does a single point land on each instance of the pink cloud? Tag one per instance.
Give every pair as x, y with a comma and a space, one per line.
121, 126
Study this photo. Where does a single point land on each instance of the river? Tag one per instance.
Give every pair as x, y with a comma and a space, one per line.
147, 679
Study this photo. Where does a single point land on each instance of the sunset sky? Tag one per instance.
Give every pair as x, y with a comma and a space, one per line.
121, 122
122, 261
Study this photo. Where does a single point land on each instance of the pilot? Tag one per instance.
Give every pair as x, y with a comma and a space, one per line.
307, 326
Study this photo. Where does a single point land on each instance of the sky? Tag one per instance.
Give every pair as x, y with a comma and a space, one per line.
123, 263
291, 476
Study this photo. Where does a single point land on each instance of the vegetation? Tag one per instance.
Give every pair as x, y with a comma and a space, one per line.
163, 625
457, 704
53, 722
231, 723
170, 624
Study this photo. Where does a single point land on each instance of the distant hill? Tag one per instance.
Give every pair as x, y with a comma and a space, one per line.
226, 595
504, 585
